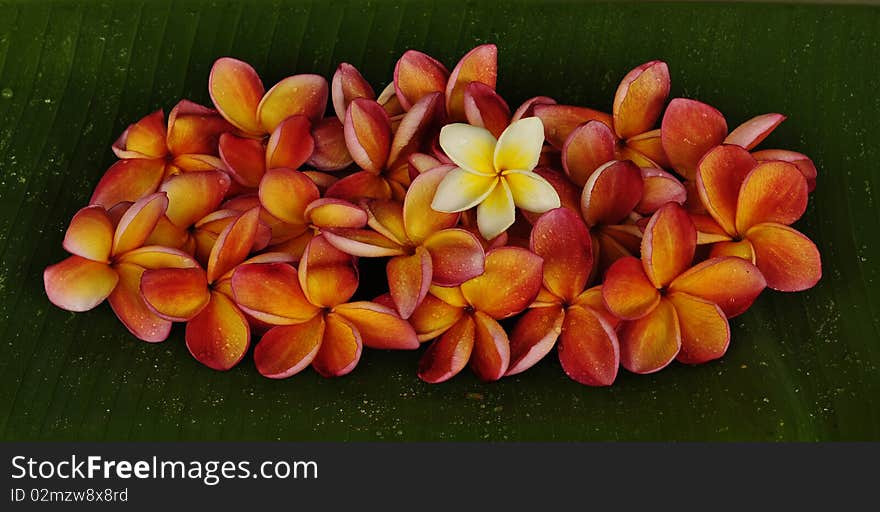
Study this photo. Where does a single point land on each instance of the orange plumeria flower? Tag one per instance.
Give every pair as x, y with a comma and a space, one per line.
670, 309
424, 245
465, 318
753, 204
108, 260
314, 322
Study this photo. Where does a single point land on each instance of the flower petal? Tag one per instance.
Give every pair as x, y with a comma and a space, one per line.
803, 162
611, 193
478, 65
561, 120
362, 242
527, 109
360, 185
329, 213
772, 192
705, 333
461, 190
304, 95
533, 337
731, 283
752, 132
233, 244
90, 234
347, 85
368, 134
416, 129
340, 349
129, 306
496, 212
155, 257
409, 277
668, 244
330, 152
689, 130
627, 292
446, 357
650, 343
587, 148
471, 148
128, 180
271, 293
561, 238
511, 281
457, 256
491, 354
194, 129
519, 146
416, 75
143, 139
639, 99
327, 275
741, 249
78, 284
286, 194
788, 260
719, 176
588, 347
192, 195
244, 158
531, 192
291, 143
420, 220
287, 350
660, 188
433, 317
138, 222
483, 107
380, 327
175, 294
236, 91
649, 145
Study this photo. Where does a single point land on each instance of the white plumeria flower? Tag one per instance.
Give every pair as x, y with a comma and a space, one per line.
496, 176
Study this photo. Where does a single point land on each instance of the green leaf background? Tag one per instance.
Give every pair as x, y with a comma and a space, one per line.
74, 74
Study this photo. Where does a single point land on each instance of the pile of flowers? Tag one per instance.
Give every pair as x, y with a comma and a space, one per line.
503, 233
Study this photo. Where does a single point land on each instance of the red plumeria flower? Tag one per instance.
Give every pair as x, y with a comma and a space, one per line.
107, 262
638, 103
381, 151
150, 152
217, 332
466, 318
425, 246
672, 310
690, 129
315, 323
565, 309
754, 204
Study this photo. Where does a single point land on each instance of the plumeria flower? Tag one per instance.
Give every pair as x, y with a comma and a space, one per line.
107, 262
314, 322
381, 151
566, 309
754, 204
425, 246
151, 151
690, 129
670, 309
217, 332
638, 103
465, 318
496, 176
417, 75
294, 200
